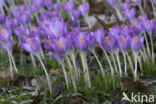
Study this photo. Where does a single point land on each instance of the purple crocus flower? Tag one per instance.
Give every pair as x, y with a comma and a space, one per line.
124, 43
8, 22
38, 3
112, 2
8, 46
81, 42
2, 18
76, 14
110, 43
61, 45
2, 2
5, 35
69, 6
125, 31
49, 44
57, 6
57, 57
136, 43
16, 13
32, 45
99, 36
48, 3
84, 9
136, 27
91, 39
125, 5
72, 23
129, 13
57, 27
114, 31
25, 18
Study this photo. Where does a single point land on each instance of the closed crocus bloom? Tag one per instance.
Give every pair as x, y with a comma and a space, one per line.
114, 31
136, 43
81, 42
57, 27
125, 5
112, 2
57, 6
8, 23
5, 35
48, 3
148, 25
69, 6
124, 43
137, 1
84, 9
38, 3
2, 18
91, 39
16, 13
76, 14
129, 13
15, 22
26, 18
33, 8
32, 45
99, 36
8, 46
72, 23
50, 14
2, 3
110, 43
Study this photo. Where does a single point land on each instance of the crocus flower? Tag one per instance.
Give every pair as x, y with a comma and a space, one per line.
8, 46
2, 18
84, 9
5, 35
76, 14
136, 43
57, 27
124, 43
125, 31
2, 2
114, 31
72, 23
110, 43
8, 22
25, 18
81, 42
57, 6
38, 3
125, 5
129, 13
32, 45
69, 6
99, 36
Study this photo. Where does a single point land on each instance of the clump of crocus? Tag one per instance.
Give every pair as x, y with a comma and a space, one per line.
33, 46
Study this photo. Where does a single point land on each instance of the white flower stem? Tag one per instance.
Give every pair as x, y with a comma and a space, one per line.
135, 70
85, 69
11, 69
116, 69
65, 75
125, 62
47, 75
119, 14
148, 50
141, 9
74, 63
33, 60
72, 73
101, 68
152, 47
13, 62
120, 70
